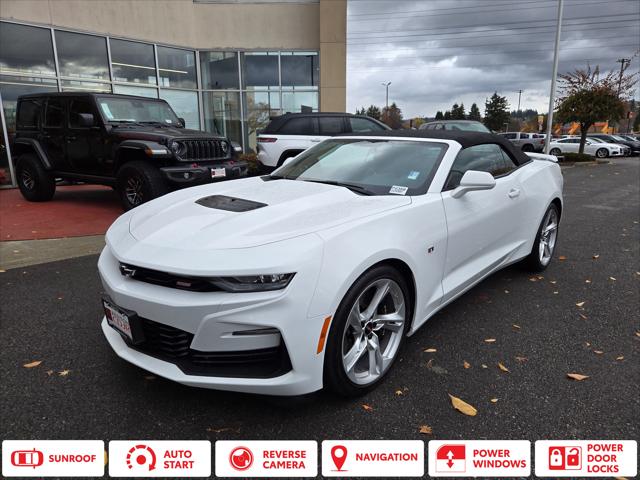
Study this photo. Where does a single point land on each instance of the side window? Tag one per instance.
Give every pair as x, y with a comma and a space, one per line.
79, 105
28, 114
298, 126
331, 125
364, 125
508, 164
484, 158
54, 113
510, 136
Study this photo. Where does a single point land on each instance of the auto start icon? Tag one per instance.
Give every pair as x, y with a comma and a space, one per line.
241, 458
141, 456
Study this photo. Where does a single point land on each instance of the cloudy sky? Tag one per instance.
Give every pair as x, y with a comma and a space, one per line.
437, 52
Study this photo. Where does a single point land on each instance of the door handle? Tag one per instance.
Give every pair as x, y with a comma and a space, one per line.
514, 192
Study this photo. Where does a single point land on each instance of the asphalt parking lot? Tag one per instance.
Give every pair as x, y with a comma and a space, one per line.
51, 313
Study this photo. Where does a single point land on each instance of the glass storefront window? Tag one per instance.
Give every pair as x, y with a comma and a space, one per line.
177, 67
222, 114
12, 87
260, 70
260, 106
79, 86
295, 102
185, 104
25, 49
82, 56
219, 70
299, 69
132, 62
139, 91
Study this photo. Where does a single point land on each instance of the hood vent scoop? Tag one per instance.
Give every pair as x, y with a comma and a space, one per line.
230, 204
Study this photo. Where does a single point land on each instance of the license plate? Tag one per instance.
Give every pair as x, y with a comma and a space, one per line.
218, 172
117, 319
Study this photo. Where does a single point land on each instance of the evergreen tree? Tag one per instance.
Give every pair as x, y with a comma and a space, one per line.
447, 115
474, 113
439, 115
496, 112
374, 112
361, 111
457, 112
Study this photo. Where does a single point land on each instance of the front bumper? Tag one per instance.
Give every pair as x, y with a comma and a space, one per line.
195, 175
218, 325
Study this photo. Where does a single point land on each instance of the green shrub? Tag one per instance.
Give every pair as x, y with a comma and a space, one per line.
576, 157
252, 161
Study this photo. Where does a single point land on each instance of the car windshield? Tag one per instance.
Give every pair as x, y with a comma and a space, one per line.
617, 137
369, 166
136, 110
467, 126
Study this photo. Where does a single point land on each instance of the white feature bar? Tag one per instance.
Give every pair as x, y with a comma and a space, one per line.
53, 458
373, 458
160, 458
269, 458
586, 458
479, 458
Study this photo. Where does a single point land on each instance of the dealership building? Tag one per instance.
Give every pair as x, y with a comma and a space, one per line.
223, 65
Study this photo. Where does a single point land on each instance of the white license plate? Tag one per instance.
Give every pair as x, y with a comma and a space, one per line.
117, 319
218, 172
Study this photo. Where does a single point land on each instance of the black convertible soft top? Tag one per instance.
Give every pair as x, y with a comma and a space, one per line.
464, 138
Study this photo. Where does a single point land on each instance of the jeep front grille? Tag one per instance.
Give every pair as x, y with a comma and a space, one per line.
201, 150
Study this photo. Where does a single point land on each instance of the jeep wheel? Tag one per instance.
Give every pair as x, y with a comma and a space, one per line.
138, 182
35, 183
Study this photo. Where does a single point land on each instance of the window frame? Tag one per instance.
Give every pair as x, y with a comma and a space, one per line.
65, 114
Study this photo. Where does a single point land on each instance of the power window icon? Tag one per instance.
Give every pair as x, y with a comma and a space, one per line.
565, 458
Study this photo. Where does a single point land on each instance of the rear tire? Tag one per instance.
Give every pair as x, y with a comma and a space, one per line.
545, 242
555, 151
527, 148
35, 183
361, 351
138, 182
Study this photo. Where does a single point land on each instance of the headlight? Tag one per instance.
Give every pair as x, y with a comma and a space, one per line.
177, 148
253, 283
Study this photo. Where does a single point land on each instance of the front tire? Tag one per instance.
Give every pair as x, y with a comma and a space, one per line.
545, 241
602, 153
367, 332
555, 151
35, 183
138, 182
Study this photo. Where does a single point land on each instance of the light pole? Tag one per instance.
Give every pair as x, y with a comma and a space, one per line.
386, 85
519, 95
552, 94
622, 62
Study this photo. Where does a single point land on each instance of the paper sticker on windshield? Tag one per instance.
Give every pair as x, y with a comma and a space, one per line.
106, 110
396, 190
413, 175
168, 120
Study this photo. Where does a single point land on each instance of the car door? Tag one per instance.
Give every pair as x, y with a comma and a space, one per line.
85, 146
484, 228
53, 133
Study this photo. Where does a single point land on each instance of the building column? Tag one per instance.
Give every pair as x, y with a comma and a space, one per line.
333, 55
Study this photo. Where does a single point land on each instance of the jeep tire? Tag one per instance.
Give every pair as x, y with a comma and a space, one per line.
138, 182
35, 183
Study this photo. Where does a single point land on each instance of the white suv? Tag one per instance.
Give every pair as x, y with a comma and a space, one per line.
292, 133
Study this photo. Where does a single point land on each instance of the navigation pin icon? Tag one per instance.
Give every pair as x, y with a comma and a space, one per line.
339, 455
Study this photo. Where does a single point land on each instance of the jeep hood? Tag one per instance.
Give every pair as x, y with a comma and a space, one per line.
275, 210
158, 134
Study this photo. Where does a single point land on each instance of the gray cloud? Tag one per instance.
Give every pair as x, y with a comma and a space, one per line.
437, 52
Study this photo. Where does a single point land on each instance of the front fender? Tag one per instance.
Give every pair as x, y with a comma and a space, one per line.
149, 148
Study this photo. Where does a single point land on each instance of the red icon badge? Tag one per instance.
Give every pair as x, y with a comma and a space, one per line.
141, 455
565, 458
27, 458
451, 458
339, 456
241, 458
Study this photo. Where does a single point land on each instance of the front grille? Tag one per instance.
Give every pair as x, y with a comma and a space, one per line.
174, 345
202, 150
164, 279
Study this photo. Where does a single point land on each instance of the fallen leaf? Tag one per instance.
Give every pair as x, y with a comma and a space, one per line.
553, 282
533, 279
49, 372
540, 277
463, 406
562, 258
506, 291
2, 271
367, 408
598, 352
430, 350
522, 359
577, 376
32, 364
399, 393
584, 317
466, 364
425, 430
612, 279
429, 363
64, 373
595, 257
484, 366
556, 292
516, 326
587, 344
587, 281
620, 358
489, 340
580, 304
494, 400
502, 367
637, 334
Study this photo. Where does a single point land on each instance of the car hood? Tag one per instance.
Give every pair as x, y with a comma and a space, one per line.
291, 208
157, 134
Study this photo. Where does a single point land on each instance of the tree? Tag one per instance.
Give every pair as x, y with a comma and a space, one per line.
496, 112
474, 113
586, 97
439, 115
392, 116
374, 112
361, 111
457, 112
447, 115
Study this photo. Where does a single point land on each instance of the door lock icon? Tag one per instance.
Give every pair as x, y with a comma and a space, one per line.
565, 458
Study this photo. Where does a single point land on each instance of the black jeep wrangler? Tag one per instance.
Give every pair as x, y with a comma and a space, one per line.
135, 144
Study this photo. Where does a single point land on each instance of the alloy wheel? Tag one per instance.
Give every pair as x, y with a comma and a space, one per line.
373, 331
133, 191
602, 153
27, 180
548, 236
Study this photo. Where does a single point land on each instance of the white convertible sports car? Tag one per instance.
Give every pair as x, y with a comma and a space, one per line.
315, 275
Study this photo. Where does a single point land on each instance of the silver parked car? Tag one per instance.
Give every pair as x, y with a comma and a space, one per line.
527, 142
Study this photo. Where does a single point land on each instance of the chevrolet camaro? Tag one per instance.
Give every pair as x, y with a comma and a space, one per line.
315, 275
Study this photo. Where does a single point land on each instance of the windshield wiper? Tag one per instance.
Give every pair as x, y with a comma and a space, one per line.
350, 186
157, 123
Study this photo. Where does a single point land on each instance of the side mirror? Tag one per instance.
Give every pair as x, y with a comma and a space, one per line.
86, 120
182, 121
474, 180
